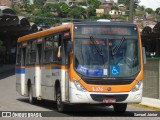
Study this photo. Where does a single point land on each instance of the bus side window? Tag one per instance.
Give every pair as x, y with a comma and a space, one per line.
28, 54
66, 52
33, 52
24, 56
18, 60
48, 49
57, 48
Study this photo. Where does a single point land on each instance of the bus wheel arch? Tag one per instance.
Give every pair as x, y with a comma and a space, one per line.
30, 92
28, 86
57, 84
60, 105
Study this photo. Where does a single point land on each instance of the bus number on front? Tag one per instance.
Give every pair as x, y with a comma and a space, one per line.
98, 89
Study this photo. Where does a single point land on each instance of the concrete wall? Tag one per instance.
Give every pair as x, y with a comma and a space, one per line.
152, 79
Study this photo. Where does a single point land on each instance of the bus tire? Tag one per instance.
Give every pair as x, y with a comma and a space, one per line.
60, 105
120, 107
30, 95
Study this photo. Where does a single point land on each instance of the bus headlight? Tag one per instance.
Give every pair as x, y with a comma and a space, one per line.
137, 86
78, 85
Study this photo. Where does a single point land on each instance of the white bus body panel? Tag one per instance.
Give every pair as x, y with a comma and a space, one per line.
20, 81
77, 96
38, 81
30, 75
47, 83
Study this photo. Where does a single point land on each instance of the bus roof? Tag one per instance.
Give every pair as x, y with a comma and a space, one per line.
68, 26
45, 32
105, 23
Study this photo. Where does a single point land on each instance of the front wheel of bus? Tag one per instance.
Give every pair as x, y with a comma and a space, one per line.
120, 107
60, 105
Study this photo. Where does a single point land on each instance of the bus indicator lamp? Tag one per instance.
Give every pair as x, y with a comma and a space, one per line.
78, 85
137, 86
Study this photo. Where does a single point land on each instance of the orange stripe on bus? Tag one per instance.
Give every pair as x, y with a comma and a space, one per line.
45, 32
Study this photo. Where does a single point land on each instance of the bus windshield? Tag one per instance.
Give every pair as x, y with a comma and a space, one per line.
110, 56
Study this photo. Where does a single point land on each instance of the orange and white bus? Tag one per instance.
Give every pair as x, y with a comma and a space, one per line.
83, 62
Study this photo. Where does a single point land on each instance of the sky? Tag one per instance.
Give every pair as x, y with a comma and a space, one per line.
150, 4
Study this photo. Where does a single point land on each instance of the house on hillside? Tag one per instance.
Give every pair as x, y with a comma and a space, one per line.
69, 2
122, 7
150, 16
99, 12
116, 12
107, 5
5, 3
149, 23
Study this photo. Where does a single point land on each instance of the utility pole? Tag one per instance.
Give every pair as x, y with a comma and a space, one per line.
131, 11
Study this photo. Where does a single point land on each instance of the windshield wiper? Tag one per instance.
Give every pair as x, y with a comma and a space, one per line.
116, 48
98, 49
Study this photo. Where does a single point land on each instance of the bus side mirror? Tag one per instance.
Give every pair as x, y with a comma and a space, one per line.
144, 55
69, 46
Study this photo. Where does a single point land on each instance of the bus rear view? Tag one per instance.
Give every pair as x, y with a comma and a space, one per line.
107, 64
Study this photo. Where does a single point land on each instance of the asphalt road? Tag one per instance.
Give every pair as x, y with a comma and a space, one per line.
10, 100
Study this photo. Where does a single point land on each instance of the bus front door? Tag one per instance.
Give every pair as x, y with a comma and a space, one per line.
38, 71
22, 71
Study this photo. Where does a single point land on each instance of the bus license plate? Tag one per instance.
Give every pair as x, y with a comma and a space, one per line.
109, 100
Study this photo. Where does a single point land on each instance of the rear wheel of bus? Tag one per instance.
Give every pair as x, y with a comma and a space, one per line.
120, 107
60, 105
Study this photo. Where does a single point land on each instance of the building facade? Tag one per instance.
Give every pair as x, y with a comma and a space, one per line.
5, 3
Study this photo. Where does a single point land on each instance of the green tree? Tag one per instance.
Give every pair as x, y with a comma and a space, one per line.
39, 2
82, 3
94, 3
91, 11
77, 12
158, 11
92, 6
149, 10
114, 8
142, 8
122, 17
64, 9
61, 8
30, 8
17, 8
105, 16
52, 7
140, 13
45, 18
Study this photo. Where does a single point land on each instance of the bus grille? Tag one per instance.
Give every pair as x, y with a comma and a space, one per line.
108, 82
101, 97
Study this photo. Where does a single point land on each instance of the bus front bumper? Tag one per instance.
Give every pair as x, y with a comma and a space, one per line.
77, 96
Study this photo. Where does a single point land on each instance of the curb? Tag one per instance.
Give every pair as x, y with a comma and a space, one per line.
150, 107
151, 102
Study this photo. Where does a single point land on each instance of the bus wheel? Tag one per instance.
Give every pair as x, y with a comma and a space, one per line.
60, 105
30, 94
120, 107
